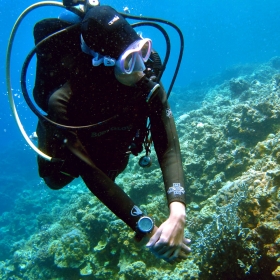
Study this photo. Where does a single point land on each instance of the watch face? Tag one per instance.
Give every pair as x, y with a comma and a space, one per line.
145, 224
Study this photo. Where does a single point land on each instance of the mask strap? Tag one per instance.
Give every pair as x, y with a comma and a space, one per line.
109, 61
98, 59
106, 60
85, 47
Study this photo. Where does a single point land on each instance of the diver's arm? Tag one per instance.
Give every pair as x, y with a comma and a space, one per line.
167, 147
111, 195
168, 241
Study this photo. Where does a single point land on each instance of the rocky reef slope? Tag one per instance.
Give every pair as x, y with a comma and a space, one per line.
230, 140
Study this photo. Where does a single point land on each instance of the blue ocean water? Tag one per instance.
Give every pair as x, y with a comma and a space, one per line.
218, 35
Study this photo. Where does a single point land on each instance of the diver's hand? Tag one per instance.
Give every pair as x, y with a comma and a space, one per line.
168, 241
129, 79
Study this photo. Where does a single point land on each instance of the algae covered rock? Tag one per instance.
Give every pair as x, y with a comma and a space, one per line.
136, 270
70, 250
86, 271
237, 86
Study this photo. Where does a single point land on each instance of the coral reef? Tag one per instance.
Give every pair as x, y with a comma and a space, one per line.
230, 141
238, 86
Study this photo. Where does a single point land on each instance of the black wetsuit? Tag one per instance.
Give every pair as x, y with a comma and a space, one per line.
91, 95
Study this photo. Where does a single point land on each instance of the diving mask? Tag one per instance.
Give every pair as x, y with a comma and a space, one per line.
134, 57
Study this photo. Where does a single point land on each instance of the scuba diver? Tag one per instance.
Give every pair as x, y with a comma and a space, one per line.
97, 83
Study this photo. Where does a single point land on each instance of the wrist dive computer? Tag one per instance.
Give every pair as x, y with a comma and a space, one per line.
145, 225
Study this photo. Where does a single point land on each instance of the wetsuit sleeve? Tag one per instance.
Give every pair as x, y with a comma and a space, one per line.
109, 193
167, 147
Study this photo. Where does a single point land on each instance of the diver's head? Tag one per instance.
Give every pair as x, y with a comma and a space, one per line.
107, 33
